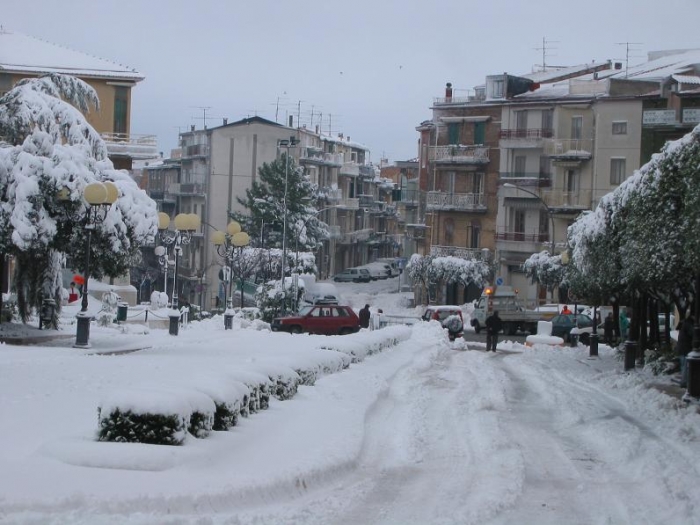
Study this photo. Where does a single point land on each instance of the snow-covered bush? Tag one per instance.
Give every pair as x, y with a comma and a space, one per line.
152, 428
453, 323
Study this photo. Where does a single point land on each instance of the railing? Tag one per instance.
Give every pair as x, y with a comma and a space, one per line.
195, 150
460, 154
456, 201
133, 146
567, 199
350, 169
464, 253
528, 133
522, 236
366, 201
321, 157
357, 236
350, 204
569, 148
409, 197
541, 180
187, 188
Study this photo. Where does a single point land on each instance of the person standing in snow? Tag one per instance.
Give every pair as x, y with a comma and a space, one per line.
608, 328
364, 317
624, 325
684, 346
493, 326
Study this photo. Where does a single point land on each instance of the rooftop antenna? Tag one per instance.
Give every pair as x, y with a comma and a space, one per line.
544, 50
627, 53
204, 111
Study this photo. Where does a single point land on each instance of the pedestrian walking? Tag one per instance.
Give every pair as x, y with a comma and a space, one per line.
608, 328
684, 346
624, 325
364, 317
493, 326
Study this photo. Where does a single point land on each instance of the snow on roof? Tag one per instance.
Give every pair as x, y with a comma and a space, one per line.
556, 72
686, 79
661, 66
25, 54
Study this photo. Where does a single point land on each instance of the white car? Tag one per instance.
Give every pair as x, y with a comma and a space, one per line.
377, 270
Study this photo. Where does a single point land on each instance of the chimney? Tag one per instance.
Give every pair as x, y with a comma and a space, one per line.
225, 121
448, 90
192, 127
291, 121
316, 129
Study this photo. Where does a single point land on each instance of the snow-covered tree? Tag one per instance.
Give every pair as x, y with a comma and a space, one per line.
265, 204
545, 269
427, 271
49, 155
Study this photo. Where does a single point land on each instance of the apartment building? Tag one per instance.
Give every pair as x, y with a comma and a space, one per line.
24, 56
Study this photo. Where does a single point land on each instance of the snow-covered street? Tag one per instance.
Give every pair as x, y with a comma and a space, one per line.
424, 432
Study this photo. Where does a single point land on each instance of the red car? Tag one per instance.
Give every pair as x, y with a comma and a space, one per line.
327, 319
449, 316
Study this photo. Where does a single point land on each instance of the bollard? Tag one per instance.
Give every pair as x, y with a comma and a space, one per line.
630, 355
228, 321
693, 370
593, 348
174, 323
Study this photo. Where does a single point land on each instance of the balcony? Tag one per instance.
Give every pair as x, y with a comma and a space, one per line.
317, 156
335, 232
407, 197
195, 150
526, 179
132, 146
438, 200
524, 138
459, 154
187, 188
350, 169
356, 236
453, 251
567, 201
349, 204
567, 150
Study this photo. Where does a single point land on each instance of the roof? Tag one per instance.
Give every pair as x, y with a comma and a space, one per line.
24, 54
661, 65
250, 120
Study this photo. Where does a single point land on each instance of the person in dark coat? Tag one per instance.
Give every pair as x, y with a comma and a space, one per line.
684, 346
608, 328
493, 326
364, 317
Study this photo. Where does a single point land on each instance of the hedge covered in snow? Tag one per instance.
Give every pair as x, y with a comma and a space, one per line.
166, 414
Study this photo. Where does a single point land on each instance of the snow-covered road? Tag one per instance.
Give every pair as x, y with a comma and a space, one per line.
469, 437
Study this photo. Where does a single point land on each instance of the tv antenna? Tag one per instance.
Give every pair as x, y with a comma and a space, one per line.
627, 52
544, 48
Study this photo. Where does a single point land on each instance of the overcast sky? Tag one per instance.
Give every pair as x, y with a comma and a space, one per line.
368, 68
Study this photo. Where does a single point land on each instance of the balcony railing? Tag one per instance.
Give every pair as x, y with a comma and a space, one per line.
522, 237
459, 154
437, 200
569, 149
536, 179
463, 253
132, 146
350, 204
567, 199
528, 133
195, 150
357, 236
187, 188
317, 156
350, 169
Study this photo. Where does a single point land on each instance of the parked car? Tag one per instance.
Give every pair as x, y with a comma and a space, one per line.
327, 319
563, 323
449, 316
353, 275
393, 265
377, 270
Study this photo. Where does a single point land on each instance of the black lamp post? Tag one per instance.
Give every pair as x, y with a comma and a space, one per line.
226, 244
99, 196
185, 225
285, 144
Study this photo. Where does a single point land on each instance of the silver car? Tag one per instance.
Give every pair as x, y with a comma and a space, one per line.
353, 275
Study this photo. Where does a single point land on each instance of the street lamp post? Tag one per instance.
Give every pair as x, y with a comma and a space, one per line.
185, 225
290, 143
162, 253
226, 244
99, 196
549, 210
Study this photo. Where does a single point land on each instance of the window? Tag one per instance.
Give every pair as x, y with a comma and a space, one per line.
544, 222
498, 88
619, 127
545, 164
478, 182
571, 181
521, 121
453, 133
5, 83
519, 221
475, 238
449, 182
121, 109
520, 162
547, 121
576, 127
617, 171
449, 231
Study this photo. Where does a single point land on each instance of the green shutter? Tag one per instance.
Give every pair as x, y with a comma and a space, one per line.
453, 133
479, 132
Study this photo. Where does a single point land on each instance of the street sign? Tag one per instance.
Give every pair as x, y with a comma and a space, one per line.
499, 281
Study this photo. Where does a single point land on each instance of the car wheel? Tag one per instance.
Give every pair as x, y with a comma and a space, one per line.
345, 331
295, 329
585, 339
477, 327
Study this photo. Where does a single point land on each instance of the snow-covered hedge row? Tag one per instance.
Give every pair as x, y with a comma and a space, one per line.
165, 415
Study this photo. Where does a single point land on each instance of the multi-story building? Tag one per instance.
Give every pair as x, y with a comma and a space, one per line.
24, 57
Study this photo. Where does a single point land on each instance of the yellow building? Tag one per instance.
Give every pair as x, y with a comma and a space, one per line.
23, 56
